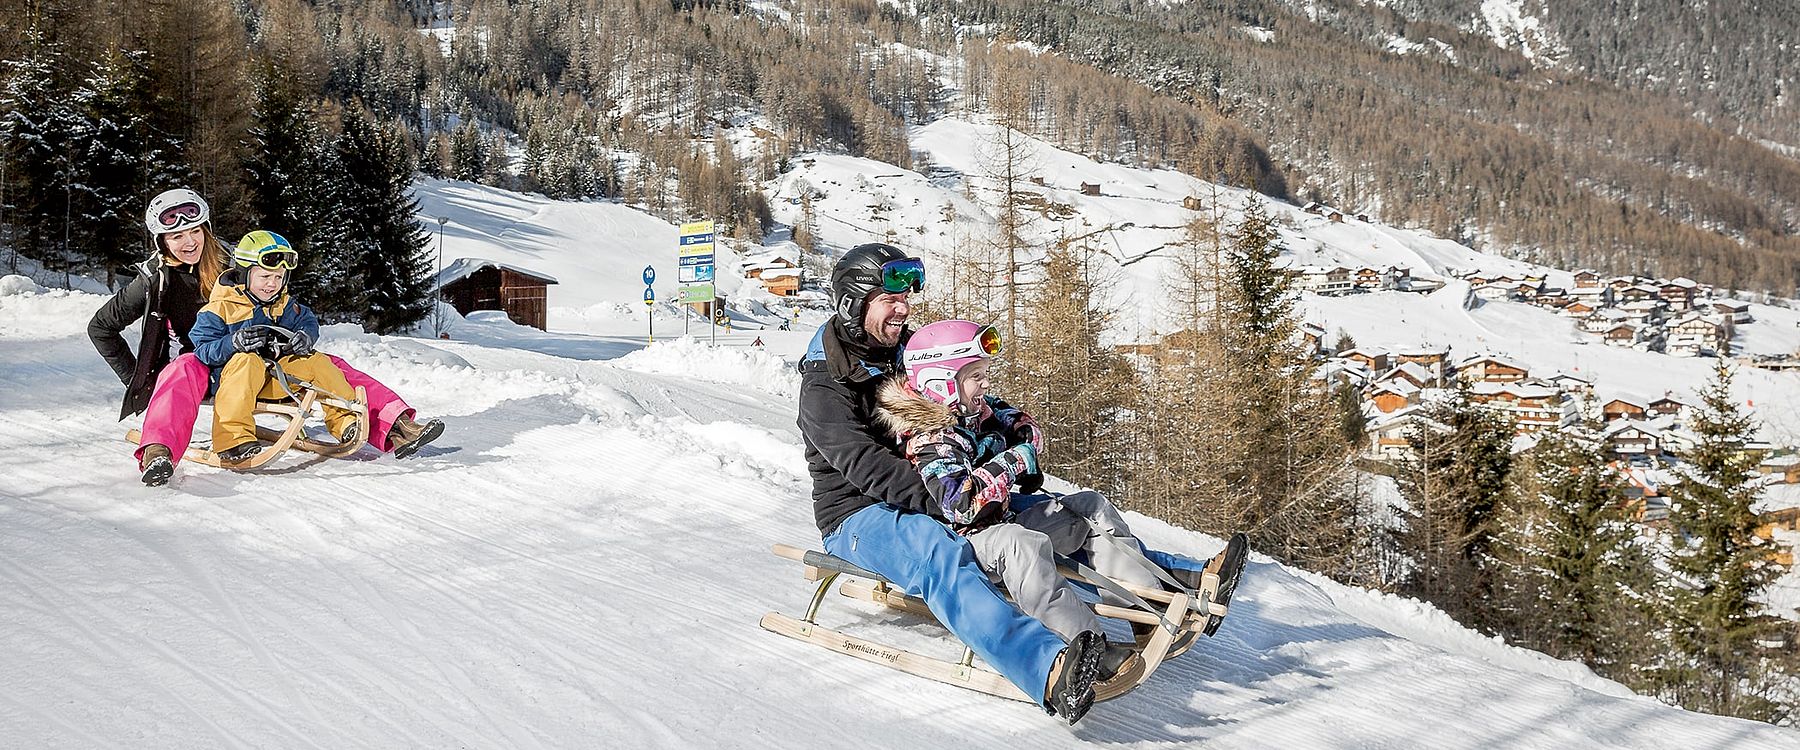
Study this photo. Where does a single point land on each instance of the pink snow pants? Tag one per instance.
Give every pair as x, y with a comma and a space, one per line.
182, 384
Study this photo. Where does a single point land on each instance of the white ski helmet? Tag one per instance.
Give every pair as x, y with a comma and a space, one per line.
176, 210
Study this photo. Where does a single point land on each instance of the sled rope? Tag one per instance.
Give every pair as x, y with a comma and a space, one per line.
1115, 589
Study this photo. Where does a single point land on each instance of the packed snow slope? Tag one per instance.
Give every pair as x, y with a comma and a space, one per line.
581, 562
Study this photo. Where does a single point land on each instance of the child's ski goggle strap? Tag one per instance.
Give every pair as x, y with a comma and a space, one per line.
903, 275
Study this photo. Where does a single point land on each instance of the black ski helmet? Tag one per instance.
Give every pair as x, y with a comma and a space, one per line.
856, 278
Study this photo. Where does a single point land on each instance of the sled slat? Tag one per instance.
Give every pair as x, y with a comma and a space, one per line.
973, 678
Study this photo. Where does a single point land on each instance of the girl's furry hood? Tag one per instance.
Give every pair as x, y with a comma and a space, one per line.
902, 410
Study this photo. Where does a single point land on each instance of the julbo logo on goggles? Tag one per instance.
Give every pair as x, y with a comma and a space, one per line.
987, 343
903, 275
173, 216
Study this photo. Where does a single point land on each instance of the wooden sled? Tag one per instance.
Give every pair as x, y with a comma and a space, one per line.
293, 436
1178, 624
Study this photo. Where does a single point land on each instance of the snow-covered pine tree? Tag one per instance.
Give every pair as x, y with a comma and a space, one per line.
119, 151
1714, 615
468, 153
38, 128
1295, 463
1572, 577
1461, 455
391, 263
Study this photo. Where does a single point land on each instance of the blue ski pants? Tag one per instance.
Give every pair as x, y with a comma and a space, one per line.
926, 559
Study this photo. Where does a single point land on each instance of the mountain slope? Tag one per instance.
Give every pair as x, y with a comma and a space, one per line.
581, 561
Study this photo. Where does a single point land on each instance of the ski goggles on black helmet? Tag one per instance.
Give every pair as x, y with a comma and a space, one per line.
903, 275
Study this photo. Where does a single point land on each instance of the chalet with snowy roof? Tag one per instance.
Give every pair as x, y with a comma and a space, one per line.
1587, 278
1578, 309
1422, 285
1603, 319
1737, 312
778, 272
1626, 438
1326, 280
1391, 396
1533, 408
1572, 384
1695, 334
1667, 406
1623, 408
1411, 373
1374, 359
1435, 361
1488, 368
1312, 337
1381, 279
1644, 311
472, 284
1637, 293
1623, 334
1493, 291
1388, 435
1678, 292
1784, 469
1344, 372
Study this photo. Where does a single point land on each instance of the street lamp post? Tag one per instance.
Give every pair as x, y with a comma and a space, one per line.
437, 313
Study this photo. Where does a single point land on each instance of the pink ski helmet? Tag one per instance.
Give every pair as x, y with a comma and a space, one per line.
938, 351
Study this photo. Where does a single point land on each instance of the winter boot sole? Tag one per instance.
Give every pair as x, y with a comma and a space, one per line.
428, 432
1222, 576
158, 471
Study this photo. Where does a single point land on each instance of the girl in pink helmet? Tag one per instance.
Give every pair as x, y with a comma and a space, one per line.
979, 459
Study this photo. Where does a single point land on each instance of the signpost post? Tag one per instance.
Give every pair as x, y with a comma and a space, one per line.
696, 269
650, 304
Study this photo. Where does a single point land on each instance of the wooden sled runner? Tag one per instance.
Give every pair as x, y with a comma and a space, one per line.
294, 435
1179, 619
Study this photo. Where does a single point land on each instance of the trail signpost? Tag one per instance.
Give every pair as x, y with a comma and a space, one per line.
695, 272
650, 304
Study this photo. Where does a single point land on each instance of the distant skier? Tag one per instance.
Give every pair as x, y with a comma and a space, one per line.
873, 511
979, 459
163, 376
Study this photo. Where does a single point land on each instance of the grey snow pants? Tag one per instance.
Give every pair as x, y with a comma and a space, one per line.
1021, 556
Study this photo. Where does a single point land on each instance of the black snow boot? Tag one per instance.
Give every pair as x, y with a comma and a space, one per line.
240, 453
1119, 661
1229, 566
351, 434
1071, 690
157, 464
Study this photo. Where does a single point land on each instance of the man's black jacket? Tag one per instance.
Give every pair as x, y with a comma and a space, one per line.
854, 462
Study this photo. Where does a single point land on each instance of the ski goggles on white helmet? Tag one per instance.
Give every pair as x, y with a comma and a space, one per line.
176, 210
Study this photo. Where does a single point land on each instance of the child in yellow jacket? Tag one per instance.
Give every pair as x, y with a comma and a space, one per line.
250, 321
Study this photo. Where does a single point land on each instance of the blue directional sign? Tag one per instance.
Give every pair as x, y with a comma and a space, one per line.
649, 295
649, 275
